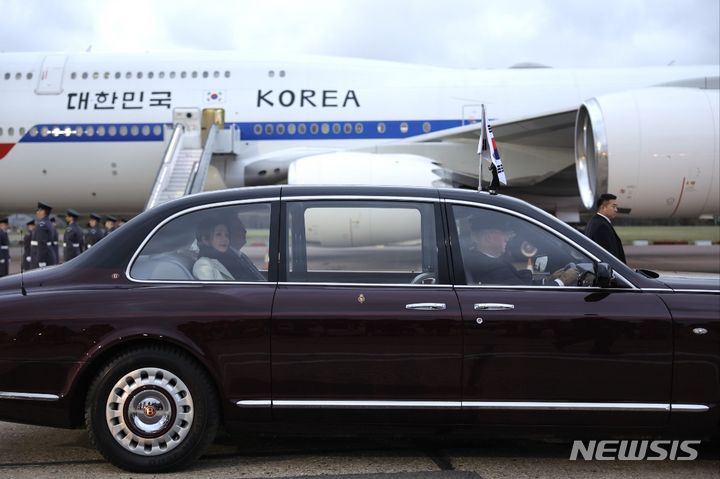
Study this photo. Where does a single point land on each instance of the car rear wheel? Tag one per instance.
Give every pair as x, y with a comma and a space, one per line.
151, 410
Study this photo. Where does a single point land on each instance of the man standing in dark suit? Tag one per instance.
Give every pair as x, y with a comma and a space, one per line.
600, 228
73, 239
41, 243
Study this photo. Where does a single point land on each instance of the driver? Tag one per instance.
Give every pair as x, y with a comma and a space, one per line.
487, 264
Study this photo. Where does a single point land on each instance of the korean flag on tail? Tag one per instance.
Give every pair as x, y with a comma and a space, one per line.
488, 150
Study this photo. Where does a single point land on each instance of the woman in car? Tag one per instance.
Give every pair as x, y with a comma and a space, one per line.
217, 261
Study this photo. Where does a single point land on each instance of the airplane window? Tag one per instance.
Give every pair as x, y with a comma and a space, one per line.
33, 131
45, 131
183, 74
205, 74
134, 130
96, 75
7, 76
271, 73
359, 128
11, 131
269, 129
151, 74
112, 131
146, 130
216, 74
161, 74
347, 128
123, 130
381, 127
227, 73
78, 131
426, 127
106, 75
73, 75
128, 75
314, 129
194, 74
67, 131
117, 75
90, 131
22, 131
325, 128
282, 73
29, 76
157, 130
101, 131
280, 129
257, 129
84, 75
291, 128
336, 128
403, 127
172, 74
18, 75
1, 131
139, 75
302, 129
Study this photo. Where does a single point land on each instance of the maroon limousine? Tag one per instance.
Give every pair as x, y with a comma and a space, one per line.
314, 308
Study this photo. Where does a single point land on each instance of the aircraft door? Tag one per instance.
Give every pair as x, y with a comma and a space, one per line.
51, 75
189, 118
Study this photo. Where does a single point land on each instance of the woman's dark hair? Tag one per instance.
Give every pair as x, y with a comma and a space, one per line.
206, 228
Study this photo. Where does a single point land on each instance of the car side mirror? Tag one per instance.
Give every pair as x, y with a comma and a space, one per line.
605, 275
540, 264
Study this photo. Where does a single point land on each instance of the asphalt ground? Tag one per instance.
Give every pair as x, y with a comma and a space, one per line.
34, 452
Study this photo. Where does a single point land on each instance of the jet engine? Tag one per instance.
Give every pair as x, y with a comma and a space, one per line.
655, 148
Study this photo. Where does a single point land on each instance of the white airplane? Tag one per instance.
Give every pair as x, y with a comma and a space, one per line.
89, 131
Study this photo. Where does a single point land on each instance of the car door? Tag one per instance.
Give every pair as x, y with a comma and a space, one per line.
536, 352
365, 325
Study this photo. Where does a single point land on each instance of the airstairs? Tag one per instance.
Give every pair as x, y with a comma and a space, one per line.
186, 162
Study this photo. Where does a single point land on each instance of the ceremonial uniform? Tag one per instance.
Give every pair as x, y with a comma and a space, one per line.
73, 238
27, 253
41, 242
95, 233
4, 248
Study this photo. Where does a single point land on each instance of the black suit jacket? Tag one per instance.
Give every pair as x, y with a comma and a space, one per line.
601, 231
484, 269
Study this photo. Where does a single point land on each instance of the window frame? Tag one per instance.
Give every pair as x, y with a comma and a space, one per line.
443, 263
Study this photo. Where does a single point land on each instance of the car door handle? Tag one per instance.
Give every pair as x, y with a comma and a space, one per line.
426, 306
493, 306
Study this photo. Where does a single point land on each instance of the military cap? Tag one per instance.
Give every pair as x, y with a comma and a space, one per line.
52, 219
44, 206
4, 219
110, 218
73, 213
95, 216
31, 222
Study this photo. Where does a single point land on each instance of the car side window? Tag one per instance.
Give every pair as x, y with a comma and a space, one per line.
361, 242
228, 243
502, 249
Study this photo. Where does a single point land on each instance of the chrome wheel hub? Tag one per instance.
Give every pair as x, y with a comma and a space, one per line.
149, 411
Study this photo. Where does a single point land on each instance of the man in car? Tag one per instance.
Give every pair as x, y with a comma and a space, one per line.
487, 263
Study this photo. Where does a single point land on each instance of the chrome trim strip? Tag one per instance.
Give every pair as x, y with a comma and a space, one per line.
368, 404
182, 213
394, 285
478, 405
29, 396
254, 403
689, 407
565, 406
670, 290
421, 199
556, 233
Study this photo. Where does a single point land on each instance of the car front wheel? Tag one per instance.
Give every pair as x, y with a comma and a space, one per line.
151, 410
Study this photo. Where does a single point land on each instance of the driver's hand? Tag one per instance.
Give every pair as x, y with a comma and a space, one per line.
568, 276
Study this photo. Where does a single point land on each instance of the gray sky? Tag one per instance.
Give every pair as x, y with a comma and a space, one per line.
457, 33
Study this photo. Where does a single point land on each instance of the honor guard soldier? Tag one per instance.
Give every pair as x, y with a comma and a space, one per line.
27, 250
110, 224
95, 233
43, 253
4, 248
73, 238
55, 240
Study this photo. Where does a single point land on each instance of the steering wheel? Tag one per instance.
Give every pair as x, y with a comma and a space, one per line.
422, 277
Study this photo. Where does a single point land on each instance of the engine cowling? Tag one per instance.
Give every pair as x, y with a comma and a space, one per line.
655, 148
